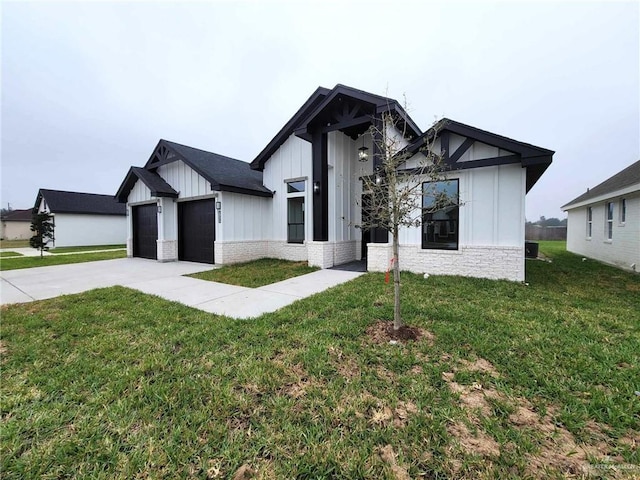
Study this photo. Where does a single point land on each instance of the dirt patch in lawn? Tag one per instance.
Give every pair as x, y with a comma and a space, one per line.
389, 456
558, 451
382, 332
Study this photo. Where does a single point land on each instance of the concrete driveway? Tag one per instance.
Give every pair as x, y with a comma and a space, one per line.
167, 281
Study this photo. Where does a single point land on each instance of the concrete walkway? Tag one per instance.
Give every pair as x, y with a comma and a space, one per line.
167, 281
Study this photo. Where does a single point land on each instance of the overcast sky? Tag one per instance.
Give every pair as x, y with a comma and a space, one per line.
88, 89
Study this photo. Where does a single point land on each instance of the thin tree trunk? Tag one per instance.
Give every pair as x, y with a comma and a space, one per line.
397, 318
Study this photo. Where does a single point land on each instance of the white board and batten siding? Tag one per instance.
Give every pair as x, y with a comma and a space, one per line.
185, 180
492, 207
292, 161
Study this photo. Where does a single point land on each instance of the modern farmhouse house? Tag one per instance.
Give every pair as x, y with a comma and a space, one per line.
301, 197
604, 222
81, 219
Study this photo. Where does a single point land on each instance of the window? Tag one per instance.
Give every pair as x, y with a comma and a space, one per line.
440, 215
623, 210
609, 225
589, 221
295, 211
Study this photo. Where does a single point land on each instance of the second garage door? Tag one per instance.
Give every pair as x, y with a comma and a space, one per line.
196, 230
145, 231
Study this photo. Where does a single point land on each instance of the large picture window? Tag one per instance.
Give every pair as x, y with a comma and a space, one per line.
440, 215
295, 211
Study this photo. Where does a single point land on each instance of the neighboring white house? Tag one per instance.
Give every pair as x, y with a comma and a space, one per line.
83, 218
604, 222
16, 225
301, 197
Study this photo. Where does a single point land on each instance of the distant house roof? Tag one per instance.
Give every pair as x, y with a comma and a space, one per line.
535, 159
355, 108
18, 215
155, 183
627, 178
81, 203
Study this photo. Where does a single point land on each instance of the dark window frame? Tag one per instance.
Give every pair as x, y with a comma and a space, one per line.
445, 232
296, 229
589, 222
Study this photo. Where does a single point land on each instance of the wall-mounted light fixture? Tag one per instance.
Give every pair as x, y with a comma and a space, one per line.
316, 187
159, 208
219, 209
363, 154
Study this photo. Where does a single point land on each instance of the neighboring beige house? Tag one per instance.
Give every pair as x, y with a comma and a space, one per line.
16, 225
604, 222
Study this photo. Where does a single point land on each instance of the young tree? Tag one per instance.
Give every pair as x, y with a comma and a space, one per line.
402, 189
42, 228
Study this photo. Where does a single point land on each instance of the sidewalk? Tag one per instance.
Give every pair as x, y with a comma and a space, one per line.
165, 280
32, 252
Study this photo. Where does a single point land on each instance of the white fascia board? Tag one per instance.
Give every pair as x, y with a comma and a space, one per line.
601, 198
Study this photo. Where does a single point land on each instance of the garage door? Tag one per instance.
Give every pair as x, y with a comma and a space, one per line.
145, 231
196, 232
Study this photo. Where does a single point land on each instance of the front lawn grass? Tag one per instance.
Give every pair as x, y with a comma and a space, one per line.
31, 262
256, 273
89, 248
10, 254
114, 383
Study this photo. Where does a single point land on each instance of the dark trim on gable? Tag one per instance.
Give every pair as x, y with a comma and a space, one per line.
157, 186
466, 145
535, 159
285, 132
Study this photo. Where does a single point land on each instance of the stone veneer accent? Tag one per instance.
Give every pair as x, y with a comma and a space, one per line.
167, 250
321, 254
494, 262
244, 251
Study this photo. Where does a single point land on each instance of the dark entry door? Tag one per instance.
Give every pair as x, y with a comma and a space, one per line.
366, 218
196, 230
145, 231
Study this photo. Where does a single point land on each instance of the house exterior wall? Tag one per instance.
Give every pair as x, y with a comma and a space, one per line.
292, 161
243, 227
16, 230
491, 230
623, 250
74, 230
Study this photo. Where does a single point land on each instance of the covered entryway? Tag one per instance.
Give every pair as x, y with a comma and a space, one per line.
145, 231
196, 230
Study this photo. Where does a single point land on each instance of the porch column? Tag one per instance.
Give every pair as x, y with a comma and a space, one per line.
321, 181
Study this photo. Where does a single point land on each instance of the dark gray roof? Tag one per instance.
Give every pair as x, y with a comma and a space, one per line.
224, 173
18, 215
60, 201
157, 185
625, 178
